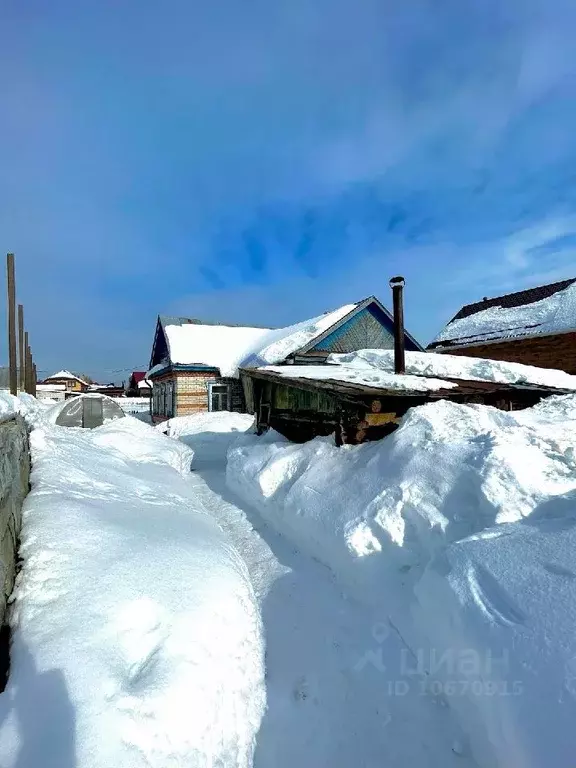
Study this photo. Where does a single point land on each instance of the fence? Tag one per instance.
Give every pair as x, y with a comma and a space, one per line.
134, 404
14, 477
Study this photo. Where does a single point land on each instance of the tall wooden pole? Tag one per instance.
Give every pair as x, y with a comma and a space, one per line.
26, 364
29, 368
34, 379
21, 360
12, 361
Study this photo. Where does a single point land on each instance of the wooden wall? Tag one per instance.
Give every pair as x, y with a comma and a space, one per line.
557, 351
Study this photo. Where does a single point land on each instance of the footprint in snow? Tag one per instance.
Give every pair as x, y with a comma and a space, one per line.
141, 630
491, 598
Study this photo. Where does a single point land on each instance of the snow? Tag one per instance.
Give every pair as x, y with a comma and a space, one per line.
8, 406
65, 375
228, 348
27, 405
555, 314
136, 635
458, 527
455, 366
283, 342
216, 346
363, 375
332, 664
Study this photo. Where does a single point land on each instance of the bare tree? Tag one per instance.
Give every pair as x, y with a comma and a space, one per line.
84, 377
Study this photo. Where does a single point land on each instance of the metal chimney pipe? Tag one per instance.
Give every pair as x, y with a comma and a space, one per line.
397, 285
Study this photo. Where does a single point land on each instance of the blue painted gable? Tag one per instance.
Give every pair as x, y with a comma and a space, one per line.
371, 328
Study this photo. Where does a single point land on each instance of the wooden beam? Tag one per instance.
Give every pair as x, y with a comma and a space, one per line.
12, 360
22, 376
27, 363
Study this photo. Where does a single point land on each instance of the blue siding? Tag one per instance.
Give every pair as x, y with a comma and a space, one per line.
370, 328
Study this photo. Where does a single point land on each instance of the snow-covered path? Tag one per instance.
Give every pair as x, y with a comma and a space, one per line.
339, 687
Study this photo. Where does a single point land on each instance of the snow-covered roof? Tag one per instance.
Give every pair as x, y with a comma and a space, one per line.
216, 346
65, 375
191, 342
281, 343
545, 310
367, 377
375, 361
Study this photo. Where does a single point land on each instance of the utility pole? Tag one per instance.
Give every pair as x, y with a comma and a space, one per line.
12, 361
22, 361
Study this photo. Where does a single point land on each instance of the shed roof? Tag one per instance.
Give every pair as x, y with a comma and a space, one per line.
408, 385
544, 310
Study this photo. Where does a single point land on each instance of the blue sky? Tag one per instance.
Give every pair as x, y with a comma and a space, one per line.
261, 162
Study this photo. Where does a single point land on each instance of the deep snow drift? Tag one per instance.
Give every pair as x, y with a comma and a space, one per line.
332, 663
28, 406
137, 639
461, 526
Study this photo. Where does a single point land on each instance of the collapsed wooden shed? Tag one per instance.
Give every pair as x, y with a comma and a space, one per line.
301, 408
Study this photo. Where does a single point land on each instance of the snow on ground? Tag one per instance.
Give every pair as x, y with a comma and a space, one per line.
136, 636
460, 527
333, 665
373, 361
555, 314
27, 405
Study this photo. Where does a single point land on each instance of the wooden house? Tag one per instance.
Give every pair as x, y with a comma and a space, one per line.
73, 384
363, 396
195, 365
302, 402
535, 327
192, 366
138, 385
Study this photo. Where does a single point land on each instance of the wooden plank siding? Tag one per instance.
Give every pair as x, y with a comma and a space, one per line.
301, 409
191, 392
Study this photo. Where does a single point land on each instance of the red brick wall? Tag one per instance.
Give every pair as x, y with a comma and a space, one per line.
557, 351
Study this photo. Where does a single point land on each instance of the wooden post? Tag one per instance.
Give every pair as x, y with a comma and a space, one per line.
30, 371
34, 379
22, 376
26, 364
12, 361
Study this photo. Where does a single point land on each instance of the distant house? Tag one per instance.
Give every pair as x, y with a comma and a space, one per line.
534, 327
110, 390
72, 383
195, 365
138, 385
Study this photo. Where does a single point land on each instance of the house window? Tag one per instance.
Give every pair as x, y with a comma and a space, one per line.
158, 399
170, 399
217, 396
